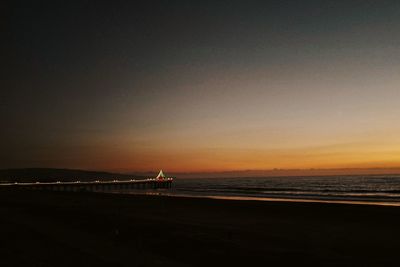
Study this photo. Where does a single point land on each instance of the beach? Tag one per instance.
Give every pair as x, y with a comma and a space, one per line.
39, 228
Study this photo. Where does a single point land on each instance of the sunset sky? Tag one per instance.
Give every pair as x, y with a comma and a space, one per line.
201, 85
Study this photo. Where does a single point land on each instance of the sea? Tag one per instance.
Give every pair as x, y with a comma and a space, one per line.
375, 189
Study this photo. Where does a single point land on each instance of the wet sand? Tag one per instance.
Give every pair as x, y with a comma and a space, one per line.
93, 229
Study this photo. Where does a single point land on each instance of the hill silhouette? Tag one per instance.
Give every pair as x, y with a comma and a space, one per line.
53, 175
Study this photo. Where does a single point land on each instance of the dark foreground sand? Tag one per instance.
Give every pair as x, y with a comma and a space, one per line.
88, 229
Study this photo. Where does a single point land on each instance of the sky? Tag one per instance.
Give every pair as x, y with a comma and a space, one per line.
192, 86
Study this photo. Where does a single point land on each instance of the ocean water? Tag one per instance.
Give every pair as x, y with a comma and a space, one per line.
378, 189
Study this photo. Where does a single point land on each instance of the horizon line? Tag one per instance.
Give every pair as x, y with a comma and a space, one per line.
257, 172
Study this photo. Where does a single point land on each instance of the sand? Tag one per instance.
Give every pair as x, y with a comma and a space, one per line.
94, 229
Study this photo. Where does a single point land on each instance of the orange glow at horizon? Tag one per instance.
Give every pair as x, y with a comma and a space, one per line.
215, 159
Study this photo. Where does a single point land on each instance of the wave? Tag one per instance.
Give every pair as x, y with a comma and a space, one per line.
358, 188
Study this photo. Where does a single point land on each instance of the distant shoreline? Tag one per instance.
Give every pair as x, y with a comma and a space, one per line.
65, 174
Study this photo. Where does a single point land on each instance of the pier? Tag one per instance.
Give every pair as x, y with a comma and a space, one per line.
95, 186
98, 185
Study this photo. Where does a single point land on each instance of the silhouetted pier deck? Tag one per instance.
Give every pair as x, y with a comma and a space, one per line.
94, 186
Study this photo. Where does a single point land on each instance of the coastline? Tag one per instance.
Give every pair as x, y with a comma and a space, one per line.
98, 229
267, 199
